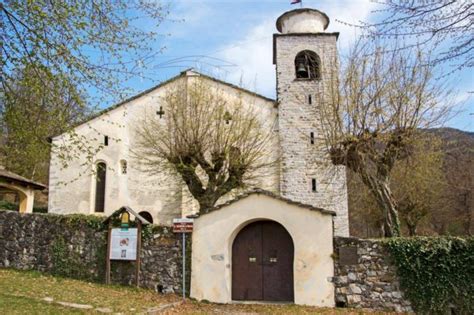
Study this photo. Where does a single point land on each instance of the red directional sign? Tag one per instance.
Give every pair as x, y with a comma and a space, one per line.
183, 225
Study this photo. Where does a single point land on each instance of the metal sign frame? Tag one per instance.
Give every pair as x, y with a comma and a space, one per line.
183, 226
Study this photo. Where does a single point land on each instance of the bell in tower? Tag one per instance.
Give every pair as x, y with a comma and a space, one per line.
301, 70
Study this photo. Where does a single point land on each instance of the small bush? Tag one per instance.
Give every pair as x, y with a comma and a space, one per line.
5, 205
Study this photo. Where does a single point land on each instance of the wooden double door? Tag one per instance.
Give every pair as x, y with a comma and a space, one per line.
262, 263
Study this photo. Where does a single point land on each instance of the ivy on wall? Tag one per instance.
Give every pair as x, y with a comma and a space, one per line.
436, 273
70, 260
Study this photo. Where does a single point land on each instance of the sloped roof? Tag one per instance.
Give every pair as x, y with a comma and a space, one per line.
23, 181
269, 194
129, 210
182, 74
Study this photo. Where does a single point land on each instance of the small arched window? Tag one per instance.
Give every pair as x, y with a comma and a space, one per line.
146, 215
308, 65
100, 187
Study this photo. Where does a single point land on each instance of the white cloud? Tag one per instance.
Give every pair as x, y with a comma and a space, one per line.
253, 59
252, 54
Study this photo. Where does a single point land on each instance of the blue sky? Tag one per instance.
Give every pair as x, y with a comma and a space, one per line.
232, 40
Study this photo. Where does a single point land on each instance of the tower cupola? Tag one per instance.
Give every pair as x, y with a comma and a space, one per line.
302, 21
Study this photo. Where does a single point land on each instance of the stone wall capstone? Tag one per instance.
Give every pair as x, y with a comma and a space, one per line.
69, 246
365, 277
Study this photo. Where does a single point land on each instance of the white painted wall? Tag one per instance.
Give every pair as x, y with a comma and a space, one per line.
72, 188
312, 233
303, 21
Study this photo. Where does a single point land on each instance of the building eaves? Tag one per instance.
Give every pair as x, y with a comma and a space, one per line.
8, 176
259, 191
181, 75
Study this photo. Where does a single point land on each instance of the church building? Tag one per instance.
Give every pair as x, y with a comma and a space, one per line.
272, 242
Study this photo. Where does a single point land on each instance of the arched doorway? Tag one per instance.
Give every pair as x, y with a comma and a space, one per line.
262, 263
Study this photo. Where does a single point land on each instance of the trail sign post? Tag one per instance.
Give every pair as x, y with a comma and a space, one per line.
183, 226
124, 243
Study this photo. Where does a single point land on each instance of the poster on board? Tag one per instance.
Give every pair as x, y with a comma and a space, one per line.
123, 244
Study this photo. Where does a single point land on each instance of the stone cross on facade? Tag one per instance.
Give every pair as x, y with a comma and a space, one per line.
161, 112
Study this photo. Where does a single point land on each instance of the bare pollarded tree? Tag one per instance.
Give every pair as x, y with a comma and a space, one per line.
384, 96
446, 26
215, 142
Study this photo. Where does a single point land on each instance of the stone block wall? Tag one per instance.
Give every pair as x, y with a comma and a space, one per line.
304, 159
73, 247
365, 277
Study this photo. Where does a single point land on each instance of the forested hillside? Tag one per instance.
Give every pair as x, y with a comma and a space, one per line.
434, 190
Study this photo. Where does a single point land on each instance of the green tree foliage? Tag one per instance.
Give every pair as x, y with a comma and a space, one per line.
436, 273
57, 56
95, 44
35, 108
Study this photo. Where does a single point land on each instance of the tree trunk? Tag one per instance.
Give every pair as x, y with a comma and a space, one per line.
411, 229
383, 195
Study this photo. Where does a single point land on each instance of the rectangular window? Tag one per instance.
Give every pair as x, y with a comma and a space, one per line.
310, 99
313, 184
106, 140
311, 137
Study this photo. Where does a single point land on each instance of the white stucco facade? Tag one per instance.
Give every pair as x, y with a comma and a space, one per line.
163, 195
311, 231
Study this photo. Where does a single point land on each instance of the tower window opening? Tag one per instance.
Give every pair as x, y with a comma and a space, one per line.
313, 185
308, 65
310, 100
311, 137
106, 140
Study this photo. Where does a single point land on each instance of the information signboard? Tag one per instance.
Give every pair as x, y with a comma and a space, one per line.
123, 244
183, 225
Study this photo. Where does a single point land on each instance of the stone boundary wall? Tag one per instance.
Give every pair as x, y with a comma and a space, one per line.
365, 277
65, 246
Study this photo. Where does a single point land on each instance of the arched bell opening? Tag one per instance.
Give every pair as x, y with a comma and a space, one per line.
308, 65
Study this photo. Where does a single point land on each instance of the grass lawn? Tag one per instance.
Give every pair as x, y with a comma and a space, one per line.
29, 292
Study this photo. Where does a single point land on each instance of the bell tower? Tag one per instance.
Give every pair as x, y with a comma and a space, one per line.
306, 61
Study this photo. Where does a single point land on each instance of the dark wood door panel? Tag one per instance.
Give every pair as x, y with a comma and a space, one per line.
247, 277
262, 263
278, 254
